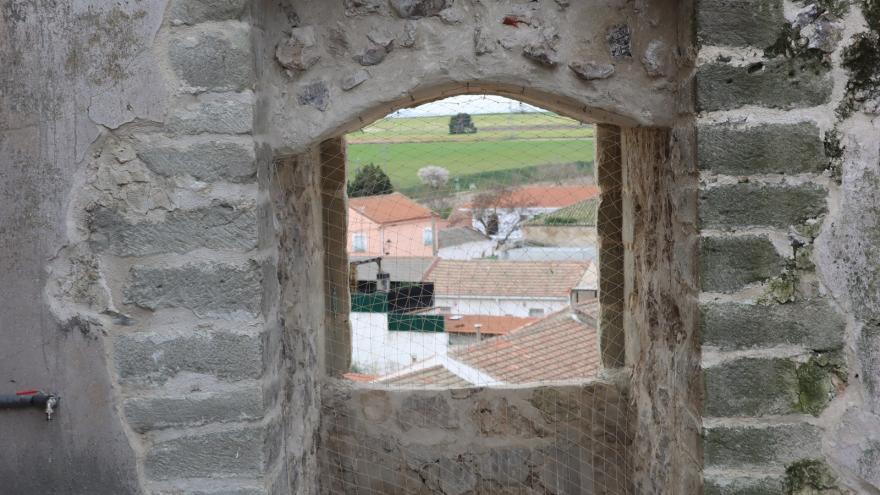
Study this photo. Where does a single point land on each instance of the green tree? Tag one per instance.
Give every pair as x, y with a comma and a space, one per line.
461, 123
369, 180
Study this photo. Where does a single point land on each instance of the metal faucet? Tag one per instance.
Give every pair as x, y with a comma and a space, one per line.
31, 398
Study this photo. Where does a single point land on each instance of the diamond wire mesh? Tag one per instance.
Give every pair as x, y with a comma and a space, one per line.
467, 255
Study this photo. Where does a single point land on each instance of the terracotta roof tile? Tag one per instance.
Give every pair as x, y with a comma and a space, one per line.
491, 325
389, 208
358, 377
557, 347
505, 278
435, 376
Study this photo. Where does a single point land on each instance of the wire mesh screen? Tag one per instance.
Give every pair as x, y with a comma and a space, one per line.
462, 242
469, 246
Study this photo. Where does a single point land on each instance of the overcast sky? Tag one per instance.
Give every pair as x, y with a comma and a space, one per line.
467, 104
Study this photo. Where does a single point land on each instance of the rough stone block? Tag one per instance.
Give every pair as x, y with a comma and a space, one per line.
213, 59
206, 486
765, 205
236, 452
206, 288
760, 445
779, 83
205, 159
195, 409
732, 150
757, 485
751, 387
728, 264
195, 11
739, 22
222, 226
813, 324
221, 113
230, 356
868, 348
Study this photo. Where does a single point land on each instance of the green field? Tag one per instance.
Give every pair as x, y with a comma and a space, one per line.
402, 146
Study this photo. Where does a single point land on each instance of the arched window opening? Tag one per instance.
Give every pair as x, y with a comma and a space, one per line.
472, 258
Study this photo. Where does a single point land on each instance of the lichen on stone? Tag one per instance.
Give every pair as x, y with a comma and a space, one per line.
809, 477
781, 289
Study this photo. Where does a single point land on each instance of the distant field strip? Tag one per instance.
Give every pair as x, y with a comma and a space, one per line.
402, 146
401, 161
491, 127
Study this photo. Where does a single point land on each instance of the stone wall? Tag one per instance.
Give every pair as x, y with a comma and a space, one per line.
564, 439
787, 150
163, 261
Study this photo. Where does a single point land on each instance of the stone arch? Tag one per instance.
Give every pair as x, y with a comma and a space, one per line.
633, 155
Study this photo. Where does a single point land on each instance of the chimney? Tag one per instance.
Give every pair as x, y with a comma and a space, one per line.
477, 328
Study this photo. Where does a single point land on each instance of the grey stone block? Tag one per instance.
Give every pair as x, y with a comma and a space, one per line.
739, 22
229, 356
813, 324
416, 9
221, 113
868, 349
778, 83
728, 264
758, 485
751, 387
213, 59
731, 150
206, 288
195, 409
222, 226
237, 452
195, 11
207, 160
765, 205
760, 445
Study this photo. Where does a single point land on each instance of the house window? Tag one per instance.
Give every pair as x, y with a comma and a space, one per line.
536, 312
428, 236
358, 242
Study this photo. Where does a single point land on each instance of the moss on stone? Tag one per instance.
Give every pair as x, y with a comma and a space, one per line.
862, 60
871, 11
790, 45
834, 152
838, 8
808, 477
816, 381
803, 260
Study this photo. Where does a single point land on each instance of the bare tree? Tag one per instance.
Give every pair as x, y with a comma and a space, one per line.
436, 179
501, 212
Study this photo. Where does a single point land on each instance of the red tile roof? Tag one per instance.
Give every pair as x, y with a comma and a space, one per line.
558, 347
358, 377
389, 208
491, 325
555, 348
434, 376
505, 278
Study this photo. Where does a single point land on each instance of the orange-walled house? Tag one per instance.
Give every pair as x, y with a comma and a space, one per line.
390, 225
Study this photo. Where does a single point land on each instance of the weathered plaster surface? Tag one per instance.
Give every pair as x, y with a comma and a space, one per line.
71, 70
